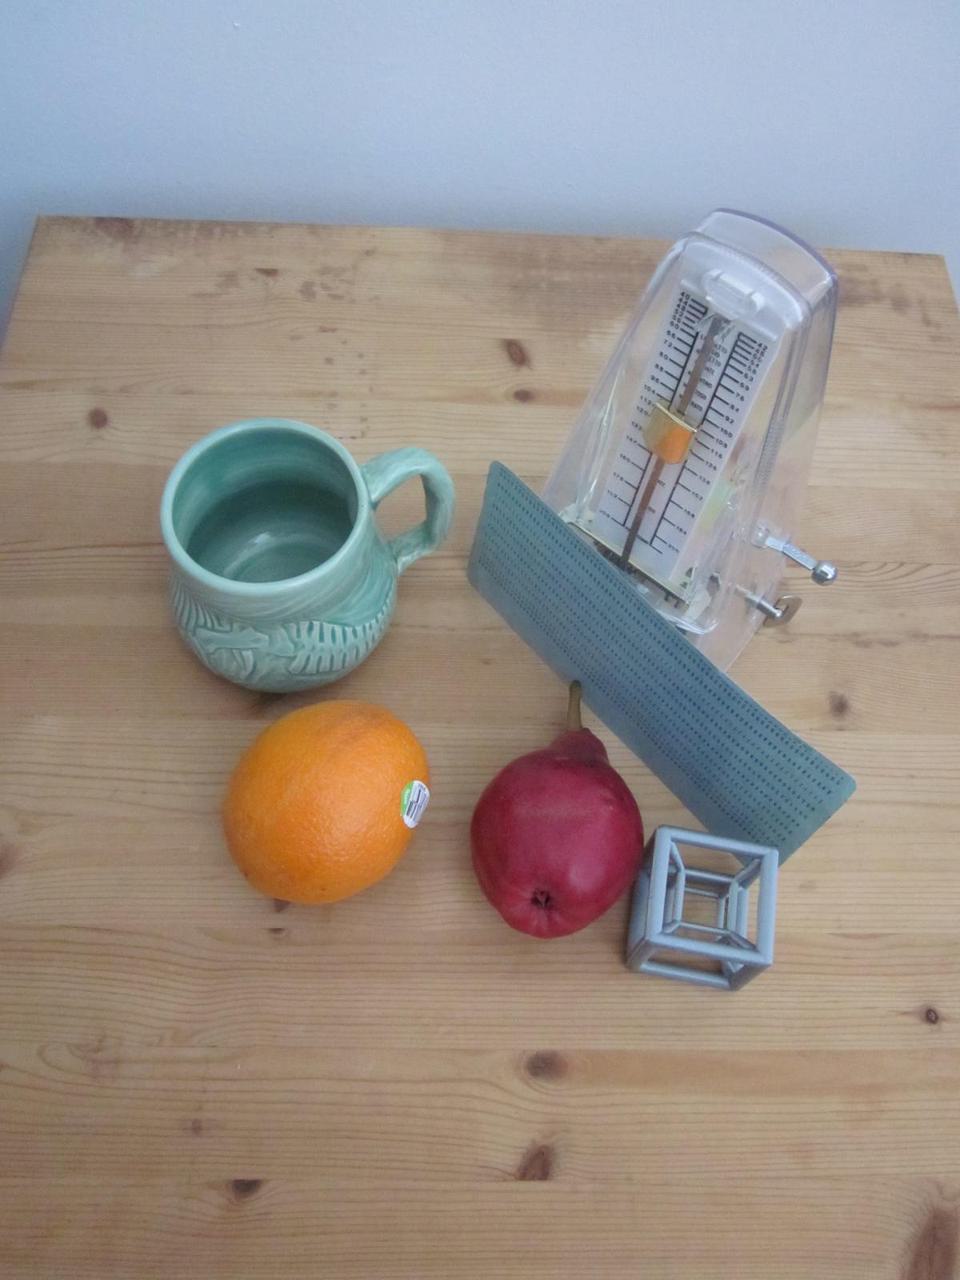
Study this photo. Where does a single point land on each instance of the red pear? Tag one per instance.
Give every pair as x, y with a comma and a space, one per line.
557, 836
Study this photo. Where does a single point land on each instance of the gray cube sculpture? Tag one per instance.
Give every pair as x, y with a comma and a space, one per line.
656, 916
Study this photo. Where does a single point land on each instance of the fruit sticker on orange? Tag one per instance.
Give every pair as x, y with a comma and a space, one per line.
415, 798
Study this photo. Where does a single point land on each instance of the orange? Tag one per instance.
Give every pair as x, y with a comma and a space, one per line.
324, 802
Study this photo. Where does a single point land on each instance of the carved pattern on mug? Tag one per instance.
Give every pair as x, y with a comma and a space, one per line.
311, 651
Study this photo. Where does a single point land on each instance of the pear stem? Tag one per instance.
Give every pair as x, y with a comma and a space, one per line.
573, 708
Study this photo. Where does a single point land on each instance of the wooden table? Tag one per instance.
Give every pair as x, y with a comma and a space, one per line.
194, 1084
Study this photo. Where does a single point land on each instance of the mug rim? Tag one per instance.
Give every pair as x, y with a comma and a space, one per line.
188, 565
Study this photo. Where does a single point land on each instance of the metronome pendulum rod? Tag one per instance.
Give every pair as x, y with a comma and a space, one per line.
674, 434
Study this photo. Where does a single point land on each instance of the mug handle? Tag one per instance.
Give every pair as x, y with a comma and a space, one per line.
385, 472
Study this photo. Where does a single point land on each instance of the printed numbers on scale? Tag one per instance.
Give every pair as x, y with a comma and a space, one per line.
713, 398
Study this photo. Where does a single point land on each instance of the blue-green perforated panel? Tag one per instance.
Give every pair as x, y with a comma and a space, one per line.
738, 769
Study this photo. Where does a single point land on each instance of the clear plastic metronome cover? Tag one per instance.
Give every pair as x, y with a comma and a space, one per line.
694, 447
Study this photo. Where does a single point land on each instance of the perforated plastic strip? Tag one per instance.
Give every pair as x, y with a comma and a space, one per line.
739, 770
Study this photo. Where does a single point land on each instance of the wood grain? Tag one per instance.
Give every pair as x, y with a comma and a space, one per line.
195, 1083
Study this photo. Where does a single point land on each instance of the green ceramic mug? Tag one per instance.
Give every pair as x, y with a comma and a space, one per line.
281, 578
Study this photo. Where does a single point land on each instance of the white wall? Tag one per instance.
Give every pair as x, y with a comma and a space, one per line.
837, 118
